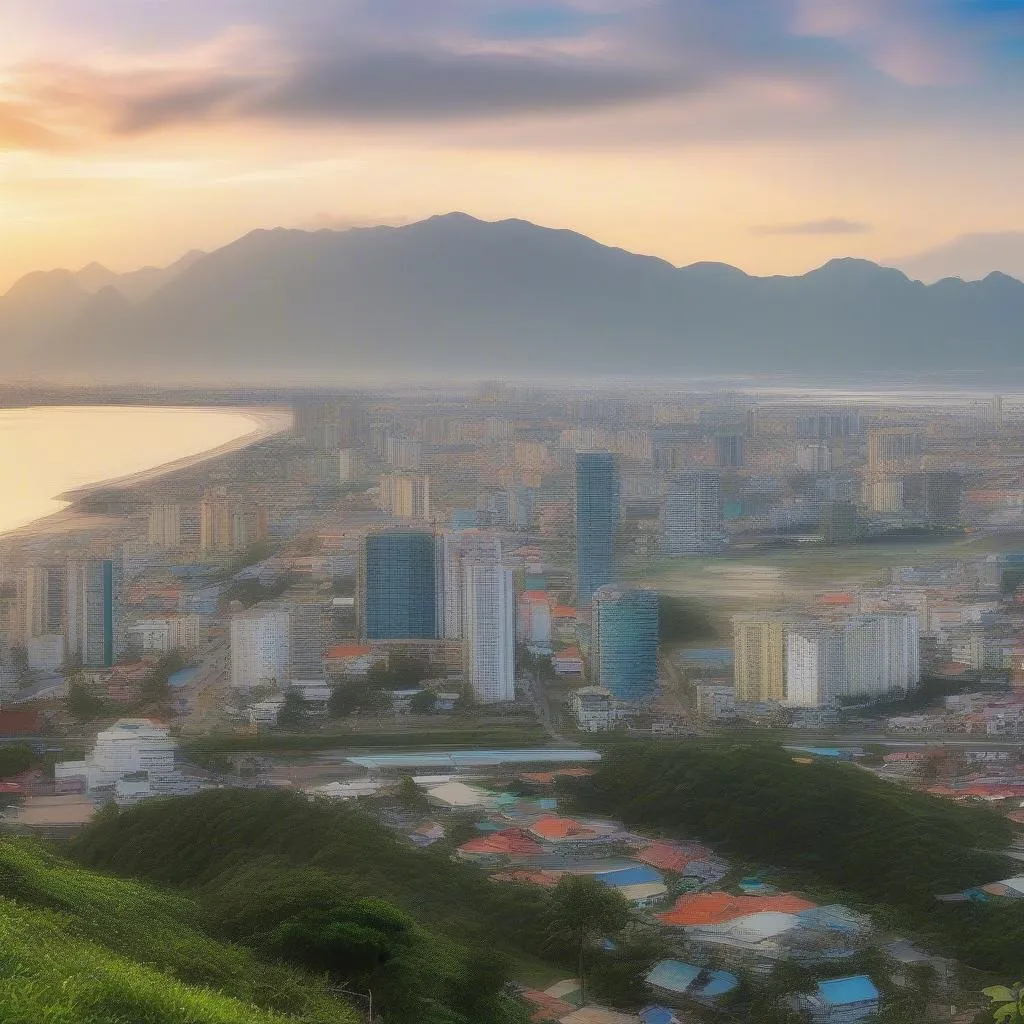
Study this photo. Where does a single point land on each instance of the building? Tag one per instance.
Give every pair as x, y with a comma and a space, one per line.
216, 526
43, 591
164, 527
624, 642
163, 634
130, 746
840, 1001
714, 701
816, 664
327, 424
936, 497
348, 465
728, 449
458, 549
311, 633
760, 658
403, 452
398, 586
893, 452
533, 624
489, 642
883, 654
597, 521
260, 654
597, 710
691, 520
405, 495
93, 629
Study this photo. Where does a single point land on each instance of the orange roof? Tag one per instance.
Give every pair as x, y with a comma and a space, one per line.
535, 596
348, 651
707, 908
511, 841
567, 652
836, 599
553, 827
564, 611
670, 857
547, 778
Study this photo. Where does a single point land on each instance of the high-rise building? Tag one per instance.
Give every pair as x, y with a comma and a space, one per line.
348, 463
405, 495
489, 639
398, 585
403, 452
624, 642
893, 452
44, 593
816, 664
760, 658
93, 608
691, 520
260, 648
728, 451
164, 527
936, 496
216, 526
883, 654
458, 549
597, 521
311, 632
327, 424
533, 623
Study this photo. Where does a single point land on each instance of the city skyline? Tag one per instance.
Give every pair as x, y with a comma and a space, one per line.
750, 135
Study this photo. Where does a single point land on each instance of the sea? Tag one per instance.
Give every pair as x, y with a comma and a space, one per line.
48, 451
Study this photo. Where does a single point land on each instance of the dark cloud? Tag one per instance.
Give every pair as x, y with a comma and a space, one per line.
396, 86
828, 226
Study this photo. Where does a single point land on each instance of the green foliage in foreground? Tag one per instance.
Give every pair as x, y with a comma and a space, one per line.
81, 948
291, 877
834, 828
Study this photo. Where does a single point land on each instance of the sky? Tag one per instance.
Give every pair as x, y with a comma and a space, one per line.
771, 134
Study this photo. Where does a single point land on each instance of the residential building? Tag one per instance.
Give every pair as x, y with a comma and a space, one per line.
93, 609
260, 654
403, 452
311, 633
348, 465
163, 634
534, 620
398, 585
216, 527
714, 701
760, 658
164, 527
883, 654
489, 631
728, 450
597, 521
129, 746
458, 549
624, 643
816, 664
405, 495
691, 521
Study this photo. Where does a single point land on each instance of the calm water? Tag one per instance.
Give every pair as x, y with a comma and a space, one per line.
47, 451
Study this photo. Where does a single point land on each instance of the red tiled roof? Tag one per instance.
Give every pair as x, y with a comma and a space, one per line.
348, 651
567, 652
671, 857
509, 842
548, 1008
705, 908
553, 827
564, 611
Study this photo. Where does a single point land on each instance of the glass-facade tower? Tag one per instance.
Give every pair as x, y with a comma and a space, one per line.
624, 645
399, 586
597, 521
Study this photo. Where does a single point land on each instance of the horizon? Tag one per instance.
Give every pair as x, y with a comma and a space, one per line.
772, 138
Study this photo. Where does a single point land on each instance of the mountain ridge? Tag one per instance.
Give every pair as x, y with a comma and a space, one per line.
456, 294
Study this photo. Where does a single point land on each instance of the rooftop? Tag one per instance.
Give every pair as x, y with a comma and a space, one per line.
843, 991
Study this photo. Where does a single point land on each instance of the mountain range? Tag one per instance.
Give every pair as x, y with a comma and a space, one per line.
456, 296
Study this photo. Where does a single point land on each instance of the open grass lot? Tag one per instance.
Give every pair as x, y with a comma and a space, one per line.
742, 580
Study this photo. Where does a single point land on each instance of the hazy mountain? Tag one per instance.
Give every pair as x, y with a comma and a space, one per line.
454, 295
971, 257
136, 285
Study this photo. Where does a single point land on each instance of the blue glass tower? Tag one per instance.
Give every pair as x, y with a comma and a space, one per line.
597, 521
624, 644
399, 586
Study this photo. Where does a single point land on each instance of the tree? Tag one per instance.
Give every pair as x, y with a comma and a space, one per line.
1007, 1003
294, 711
423, 703
411, 796
84, 705
584, 910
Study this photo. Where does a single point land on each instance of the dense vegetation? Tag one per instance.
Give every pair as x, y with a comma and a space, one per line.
836, 829
304, 880
81, 948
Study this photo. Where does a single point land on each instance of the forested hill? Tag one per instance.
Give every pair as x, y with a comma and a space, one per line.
833, 827
322, 884
78, 947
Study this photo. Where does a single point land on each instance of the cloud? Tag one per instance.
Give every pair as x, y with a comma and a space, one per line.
18, 130
828, 226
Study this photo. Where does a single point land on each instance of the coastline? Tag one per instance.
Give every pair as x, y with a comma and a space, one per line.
269, 421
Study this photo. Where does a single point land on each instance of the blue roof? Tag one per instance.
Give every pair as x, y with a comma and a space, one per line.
460, 758
675, 976
843, 991
639, 875
833, 752
657, 1015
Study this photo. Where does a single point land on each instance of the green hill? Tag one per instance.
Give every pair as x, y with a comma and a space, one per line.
832, 828
77, 947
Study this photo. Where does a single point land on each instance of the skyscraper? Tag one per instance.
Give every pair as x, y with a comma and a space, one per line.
489, 632
458, 549
760, 658
729, 451
399, 585
260, 648
624, 645
597, 521
93, 612
691, 522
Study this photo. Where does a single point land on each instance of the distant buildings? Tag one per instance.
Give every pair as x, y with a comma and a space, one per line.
399, 585
93, 611
760, 652
260, 652
489, 632
597, 521
406, 495
728, 450
164, 527
691, 522
163, 634
624, 645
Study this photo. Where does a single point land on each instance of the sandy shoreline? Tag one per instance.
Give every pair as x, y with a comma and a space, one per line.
269, 422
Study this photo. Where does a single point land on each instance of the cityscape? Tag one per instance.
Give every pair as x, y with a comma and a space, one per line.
512, 512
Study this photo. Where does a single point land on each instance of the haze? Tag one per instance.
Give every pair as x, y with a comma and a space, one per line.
771, 134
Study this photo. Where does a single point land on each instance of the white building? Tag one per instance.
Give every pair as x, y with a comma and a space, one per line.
130, 746
260, 651
597, 710
533, 623
489, 624
456, 550
347, 465
691, 521
816, 665
165, 633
